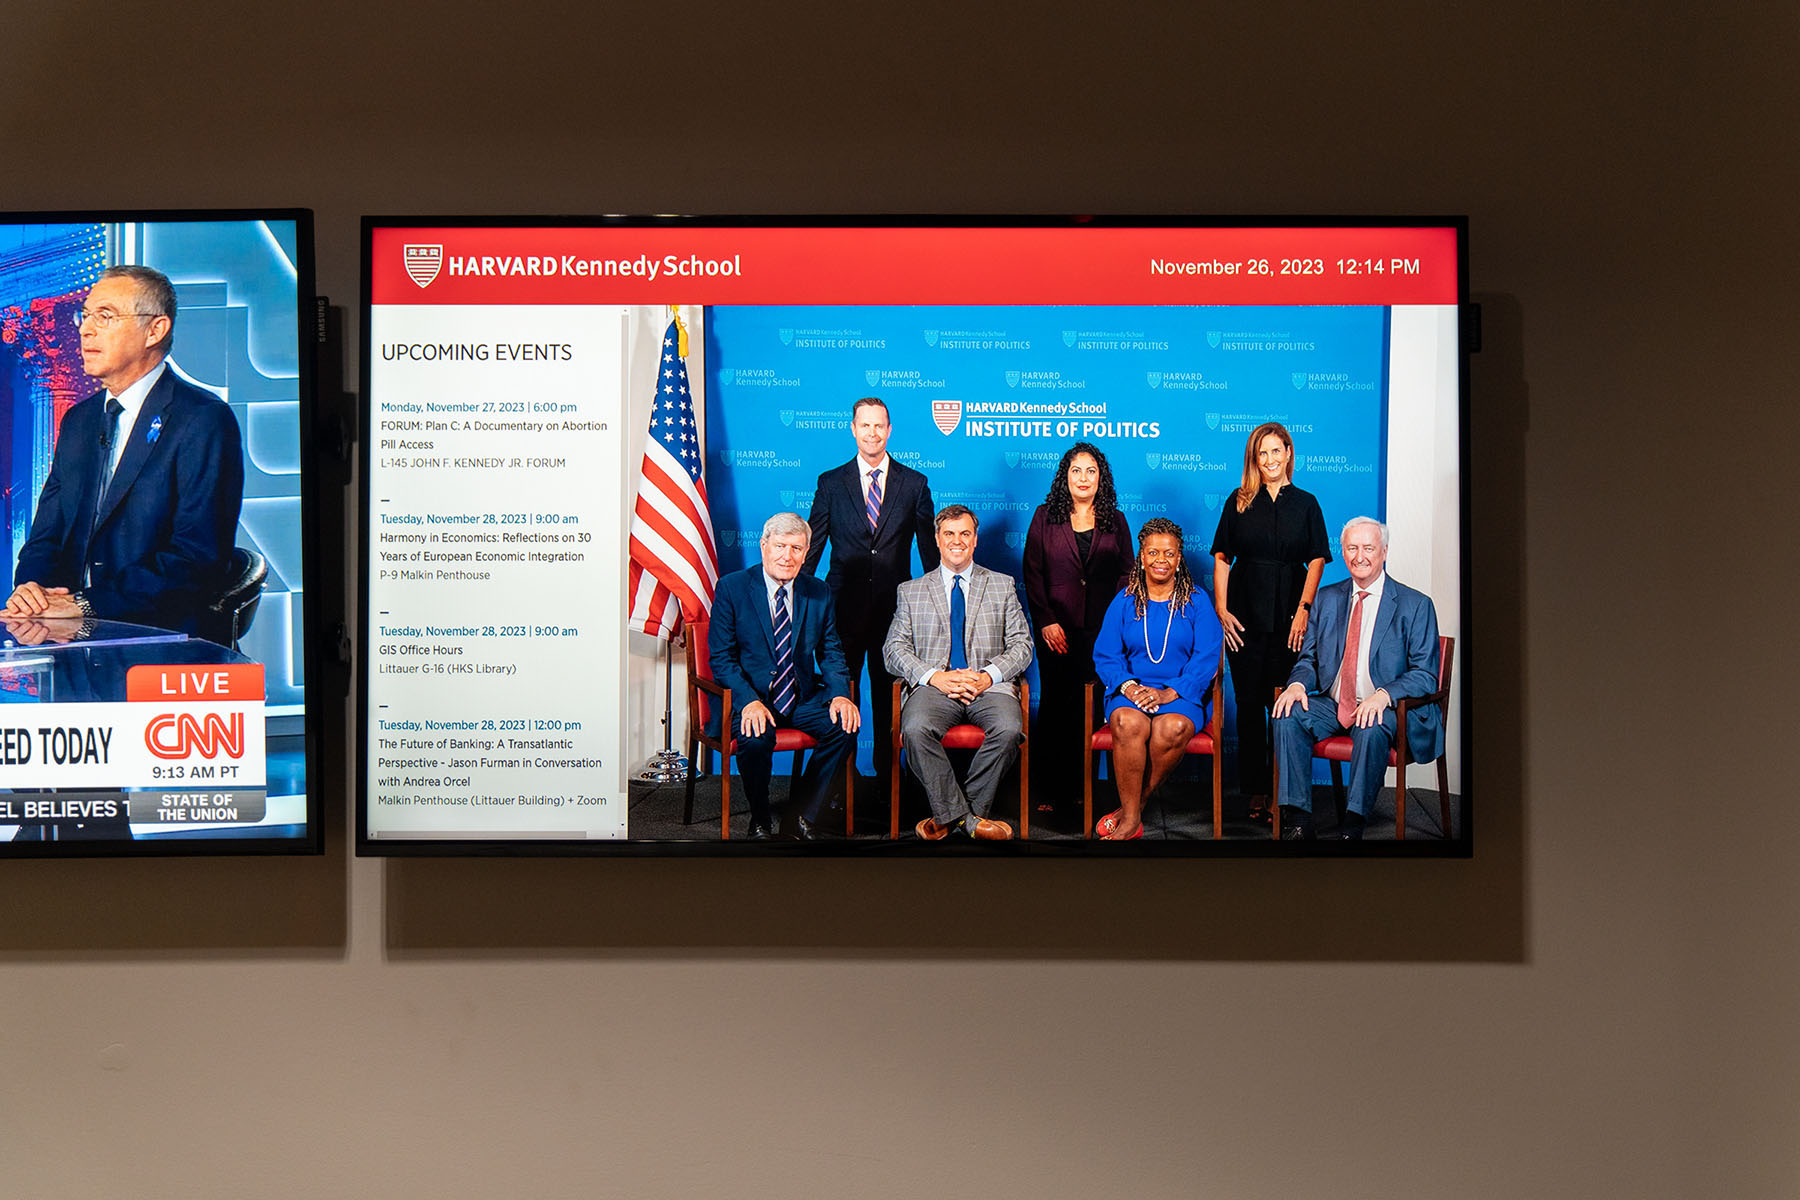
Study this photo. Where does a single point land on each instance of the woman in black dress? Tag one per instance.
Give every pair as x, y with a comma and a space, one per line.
1268, 554
1078, 553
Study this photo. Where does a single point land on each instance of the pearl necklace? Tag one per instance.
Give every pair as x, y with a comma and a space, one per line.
1158, 656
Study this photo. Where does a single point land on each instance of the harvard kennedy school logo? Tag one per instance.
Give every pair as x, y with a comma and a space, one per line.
422, 262
946, 415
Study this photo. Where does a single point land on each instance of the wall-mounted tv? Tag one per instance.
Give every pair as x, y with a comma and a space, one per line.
914, 535
156, 386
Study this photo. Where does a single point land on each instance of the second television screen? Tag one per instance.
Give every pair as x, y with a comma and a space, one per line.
830, 448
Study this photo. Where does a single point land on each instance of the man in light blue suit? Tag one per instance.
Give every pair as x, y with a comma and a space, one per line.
1372, 640
773, 641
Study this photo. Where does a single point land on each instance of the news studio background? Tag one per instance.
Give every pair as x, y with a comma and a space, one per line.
237, 335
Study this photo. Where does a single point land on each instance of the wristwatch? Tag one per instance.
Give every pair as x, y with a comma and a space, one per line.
83, 603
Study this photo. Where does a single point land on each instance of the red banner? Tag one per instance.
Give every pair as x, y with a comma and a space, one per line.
913, 265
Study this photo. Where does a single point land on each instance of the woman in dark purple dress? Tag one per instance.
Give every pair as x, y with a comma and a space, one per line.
1078, 554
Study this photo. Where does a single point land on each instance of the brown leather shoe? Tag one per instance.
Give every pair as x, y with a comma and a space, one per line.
930, 830
991, 831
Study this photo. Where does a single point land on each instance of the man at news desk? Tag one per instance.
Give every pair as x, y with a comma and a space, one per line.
138, 517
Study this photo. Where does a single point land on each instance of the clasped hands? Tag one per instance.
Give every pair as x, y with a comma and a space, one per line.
35, 600
757, 716
963, 684
1147, 698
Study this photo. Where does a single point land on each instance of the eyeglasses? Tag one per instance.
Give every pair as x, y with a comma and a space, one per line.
105, 318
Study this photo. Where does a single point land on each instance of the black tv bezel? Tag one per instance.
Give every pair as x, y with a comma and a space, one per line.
312, 615
912, 848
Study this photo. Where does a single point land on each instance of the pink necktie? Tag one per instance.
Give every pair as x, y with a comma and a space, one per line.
1346, 688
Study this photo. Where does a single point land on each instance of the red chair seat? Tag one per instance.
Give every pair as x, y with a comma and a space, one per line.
788, 739
703, 692
1337, 749
964, 737
1205, 740
1200, 743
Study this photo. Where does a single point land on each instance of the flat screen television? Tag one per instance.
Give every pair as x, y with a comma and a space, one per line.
1102, 500
156, 386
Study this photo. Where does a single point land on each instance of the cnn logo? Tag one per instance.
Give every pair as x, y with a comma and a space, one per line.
184, 735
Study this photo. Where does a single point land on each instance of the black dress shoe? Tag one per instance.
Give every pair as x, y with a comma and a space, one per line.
806, 831
1350, 835
1296, 824
759, 832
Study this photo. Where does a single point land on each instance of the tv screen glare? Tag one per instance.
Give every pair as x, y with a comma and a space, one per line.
996, 535
156, 380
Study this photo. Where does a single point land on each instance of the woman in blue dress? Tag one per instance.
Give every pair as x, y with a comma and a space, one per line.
1156, 654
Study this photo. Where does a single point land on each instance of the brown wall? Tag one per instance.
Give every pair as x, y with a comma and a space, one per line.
1600, 1003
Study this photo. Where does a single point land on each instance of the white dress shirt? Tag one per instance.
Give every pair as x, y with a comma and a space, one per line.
947, 578
1365, 686
132, 401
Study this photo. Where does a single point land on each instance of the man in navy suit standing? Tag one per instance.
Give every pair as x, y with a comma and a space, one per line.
872, 510
773, 641
138, 518
1372, 641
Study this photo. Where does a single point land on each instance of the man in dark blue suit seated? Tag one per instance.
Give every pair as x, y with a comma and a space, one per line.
138, 518
774, 643
1372, 640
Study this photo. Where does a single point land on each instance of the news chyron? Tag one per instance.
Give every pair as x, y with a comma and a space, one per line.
610, 465
155, 379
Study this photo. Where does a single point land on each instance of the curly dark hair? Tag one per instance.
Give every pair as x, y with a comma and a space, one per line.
1059, 504
1138, 586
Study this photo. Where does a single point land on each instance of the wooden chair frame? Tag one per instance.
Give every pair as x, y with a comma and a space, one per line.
1209, 740
965, 731
1336, 751
700, 682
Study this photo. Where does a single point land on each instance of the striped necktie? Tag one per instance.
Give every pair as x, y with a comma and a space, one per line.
872, 502
783, 686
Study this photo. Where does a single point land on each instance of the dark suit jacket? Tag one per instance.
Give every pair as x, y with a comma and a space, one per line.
1403, 654
741, 640
868, 565
159, 551
1062, 590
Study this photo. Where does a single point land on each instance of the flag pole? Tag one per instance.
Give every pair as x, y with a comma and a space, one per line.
666, 766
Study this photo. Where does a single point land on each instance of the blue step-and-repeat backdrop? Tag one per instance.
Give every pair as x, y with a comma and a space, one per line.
985, 400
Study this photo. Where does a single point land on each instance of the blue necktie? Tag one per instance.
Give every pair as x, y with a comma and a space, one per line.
872, 502
783, 686
959, 614
109, 437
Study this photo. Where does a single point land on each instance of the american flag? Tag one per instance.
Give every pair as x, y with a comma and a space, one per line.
674, 563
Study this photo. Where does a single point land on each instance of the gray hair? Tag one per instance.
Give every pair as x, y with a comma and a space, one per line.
786, 522
155, 295
1353, 522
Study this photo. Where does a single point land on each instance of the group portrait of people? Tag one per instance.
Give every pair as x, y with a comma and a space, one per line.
1142, 617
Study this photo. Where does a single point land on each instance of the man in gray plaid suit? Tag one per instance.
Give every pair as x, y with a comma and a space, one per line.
959, 639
